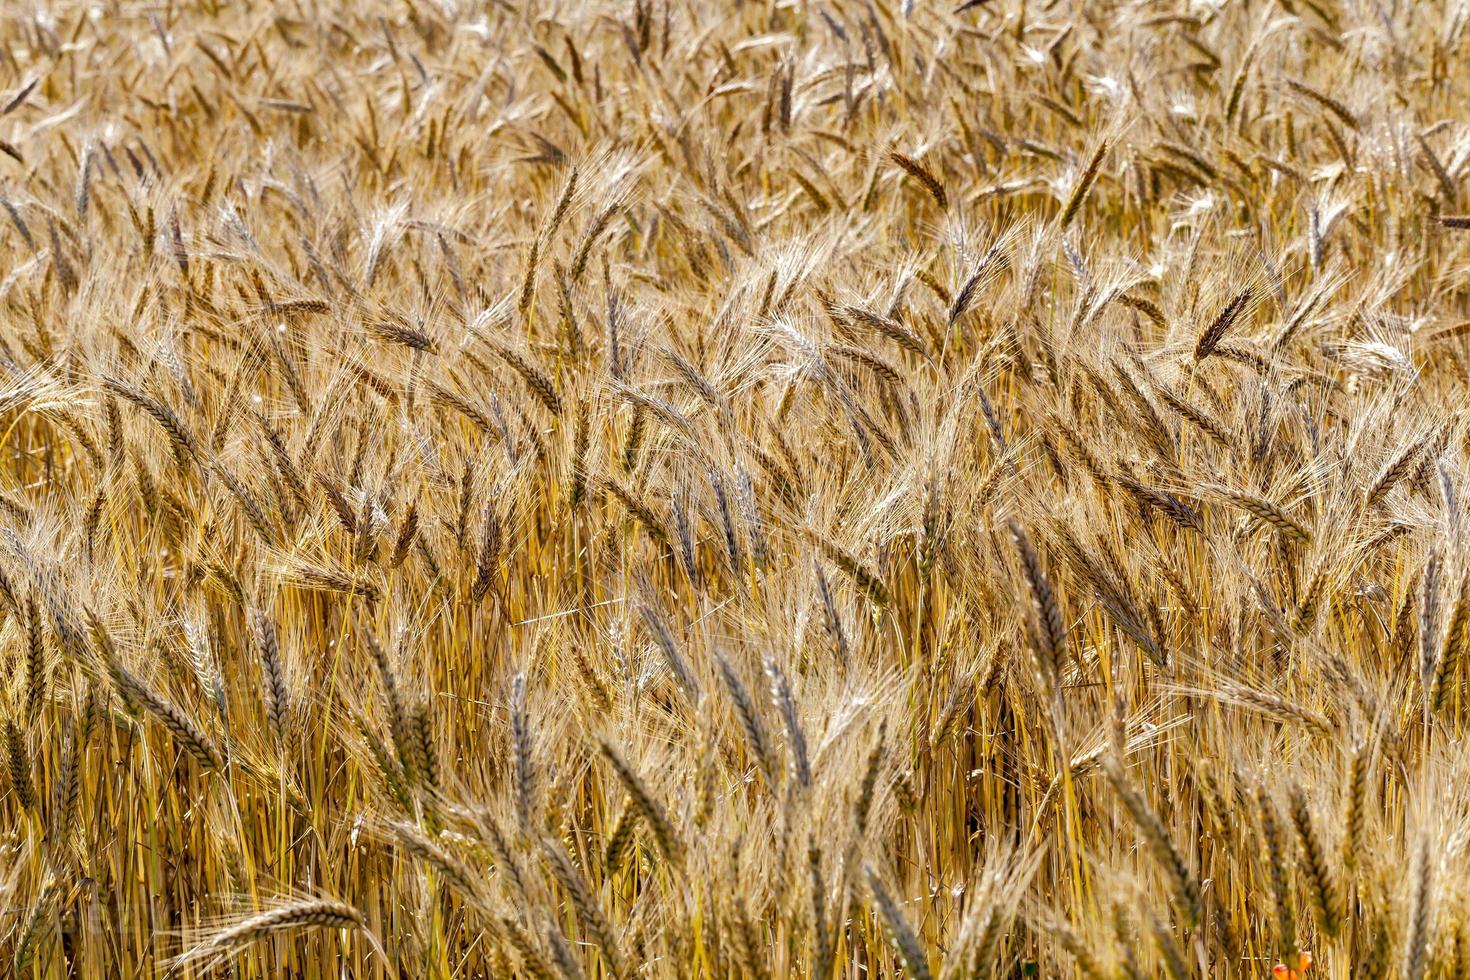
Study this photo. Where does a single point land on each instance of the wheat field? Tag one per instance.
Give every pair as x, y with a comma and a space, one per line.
715, 489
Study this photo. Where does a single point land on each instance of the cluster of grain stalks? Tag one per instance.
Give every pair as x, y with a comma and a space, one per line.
676, 488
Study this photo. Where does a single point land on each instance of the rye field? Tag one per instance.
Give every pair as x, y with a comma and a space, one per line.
774, 489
